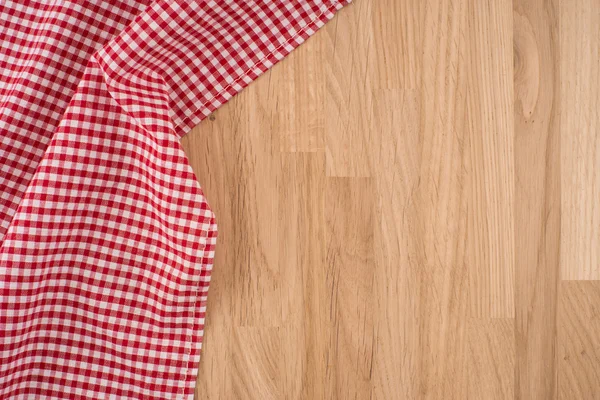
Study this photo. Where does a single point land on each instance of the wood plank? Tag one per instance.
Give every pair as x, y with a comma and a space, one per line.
214, 377
491, 358
397, 44
256, 364
306, 296
580, 147
441, 204
349, 213
297, 90
579, 340
396, 369
251, 231
537, 196
233, 158
347, 105
490, 168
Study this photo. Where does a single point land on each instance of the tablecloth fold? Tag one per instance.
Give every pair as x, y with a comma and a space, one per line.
107, 239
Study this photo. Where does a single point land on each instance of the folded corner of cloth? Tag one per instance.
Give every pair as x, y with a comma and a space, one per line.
106, 239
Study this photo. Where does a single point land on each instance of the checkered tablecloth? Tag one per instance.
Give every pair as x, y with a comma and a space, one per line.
106, 238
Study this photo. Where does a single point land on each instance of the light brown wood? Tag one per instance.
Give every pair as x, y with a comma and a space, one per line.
408, 209
578, 340
537, 196
580, 154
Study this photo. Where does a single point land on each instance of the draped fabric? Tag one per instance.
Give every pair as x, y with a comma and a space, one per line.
106, 239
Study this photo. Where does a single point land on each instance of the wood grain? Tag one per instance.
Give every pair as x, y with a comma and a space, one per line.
579, 340
491, 358
307, 296
397, 359
408, 209
349, 214
490, 174
537, 196
348, 45
297, 94
580, 147
440, 226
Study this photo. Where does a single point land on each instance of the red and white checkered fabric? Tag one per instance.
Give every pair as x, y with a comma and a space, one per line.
106, 238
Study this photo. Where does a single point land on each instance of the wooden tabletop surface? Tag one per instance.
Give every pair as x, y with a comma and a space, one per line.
409, 208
